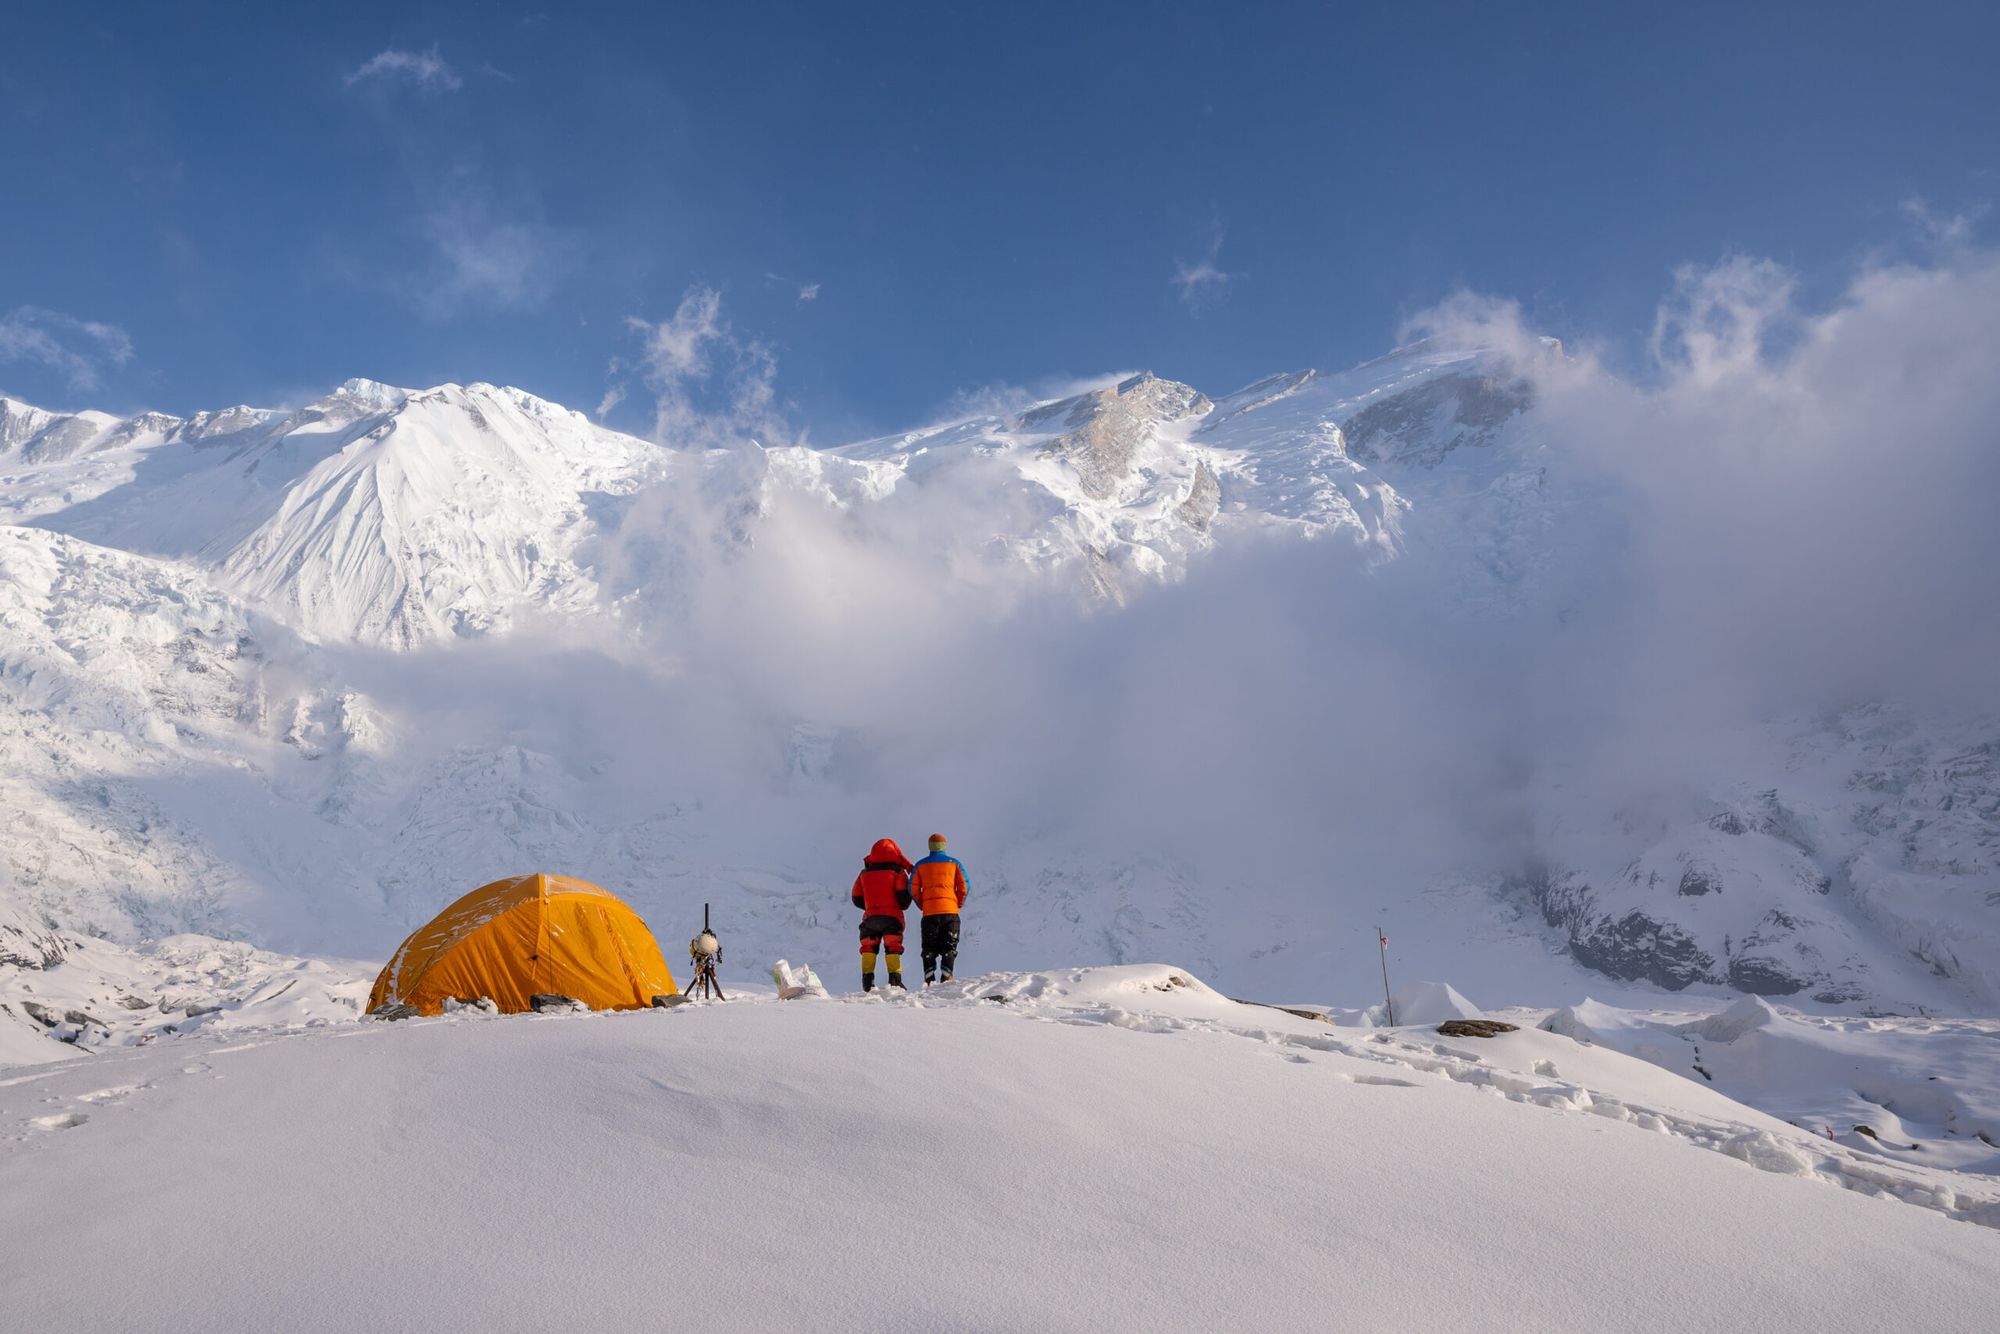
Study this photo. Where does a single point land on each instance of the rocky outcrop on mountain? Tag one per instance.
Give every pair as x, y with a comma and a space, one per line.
1108, 427
1204, 499
1418, 427
26, 942
1880, 859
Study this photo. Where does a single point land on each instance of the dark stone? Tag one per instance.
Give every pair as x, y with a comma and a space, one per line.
1763, 976
42, 1014
1266, 1005
1474, 1028
668, 1002
1637, 948
24, 947
1694, 882
545, 1002
393, 1012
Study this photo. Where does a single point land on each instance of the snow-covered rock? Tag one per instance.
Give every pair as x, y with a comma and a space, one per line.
1431, 1003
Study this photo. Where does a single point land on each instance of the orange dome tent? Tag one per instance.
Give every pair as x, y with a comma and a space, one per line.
524, 936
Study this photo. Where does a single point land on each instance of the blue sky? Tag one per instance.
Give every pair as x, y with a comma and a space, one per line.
212, 204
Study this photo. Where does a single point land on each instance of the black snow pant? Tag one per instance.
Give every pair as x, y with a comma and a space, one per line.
940, 943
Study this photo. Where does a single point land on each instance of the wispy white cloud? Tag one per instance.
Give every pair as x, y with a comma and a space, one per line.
488, 259
1203, 281
807, 291
614, 393
78, 350
680, 360
1005, 400
426, 69
1943, 229
1723, 318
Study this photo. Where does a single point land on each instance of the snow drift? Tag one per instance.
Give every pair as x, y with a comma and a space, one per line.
1120, 1149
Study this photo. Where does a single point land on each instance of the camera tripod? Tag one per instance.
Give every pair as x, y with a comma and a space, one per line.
704, 953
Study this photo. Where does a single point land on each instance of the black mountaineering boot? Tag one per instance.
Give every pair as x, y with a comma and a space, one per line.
868, 981
896, 981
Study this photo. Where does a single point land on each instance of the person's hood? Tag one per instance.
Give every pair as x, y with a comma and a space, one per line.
885, 850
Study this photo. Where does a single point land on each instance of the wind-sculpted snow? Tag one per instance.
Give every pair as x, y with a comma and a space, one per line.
1153, 1153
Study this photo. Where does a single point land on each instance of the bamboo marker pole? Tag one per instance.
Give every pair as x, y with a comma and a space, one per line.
1388, 1005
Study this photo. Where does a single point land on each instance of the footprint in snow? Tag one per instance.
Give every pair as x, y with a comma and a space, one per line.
59, 1121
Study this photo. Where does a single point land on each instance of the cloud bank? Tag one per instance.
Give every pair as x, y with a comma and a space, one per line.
1790, 515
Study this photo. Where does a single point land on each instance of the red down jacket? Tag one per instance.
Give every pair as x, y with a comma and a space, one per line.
883, 887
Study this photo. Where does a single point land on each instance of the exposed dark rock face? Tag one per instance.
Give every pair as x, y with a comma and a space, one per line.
1475, 1028
1763, 976
1637, 947
1698, 880
1632, 948
26, 944
1420, 426
1777, 958
1760, 964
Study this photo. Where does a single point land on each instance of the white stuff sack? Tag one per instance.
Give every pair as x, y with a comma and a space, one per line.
795, 981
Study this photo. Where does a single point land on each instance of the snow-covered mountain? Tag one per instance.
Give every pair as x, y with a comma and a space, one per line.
297, 678
378, 515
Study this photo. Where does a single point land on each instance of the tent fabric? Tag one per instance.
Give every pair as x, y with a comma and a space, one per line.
524, 936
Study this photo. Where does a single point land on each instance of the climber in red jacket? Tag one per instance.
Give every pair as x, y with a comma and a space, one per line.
882, 892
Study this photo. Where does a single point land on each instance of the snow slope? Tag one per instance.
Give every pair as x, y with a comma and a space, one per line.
386, 515
1918, 1091
1102, 1150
